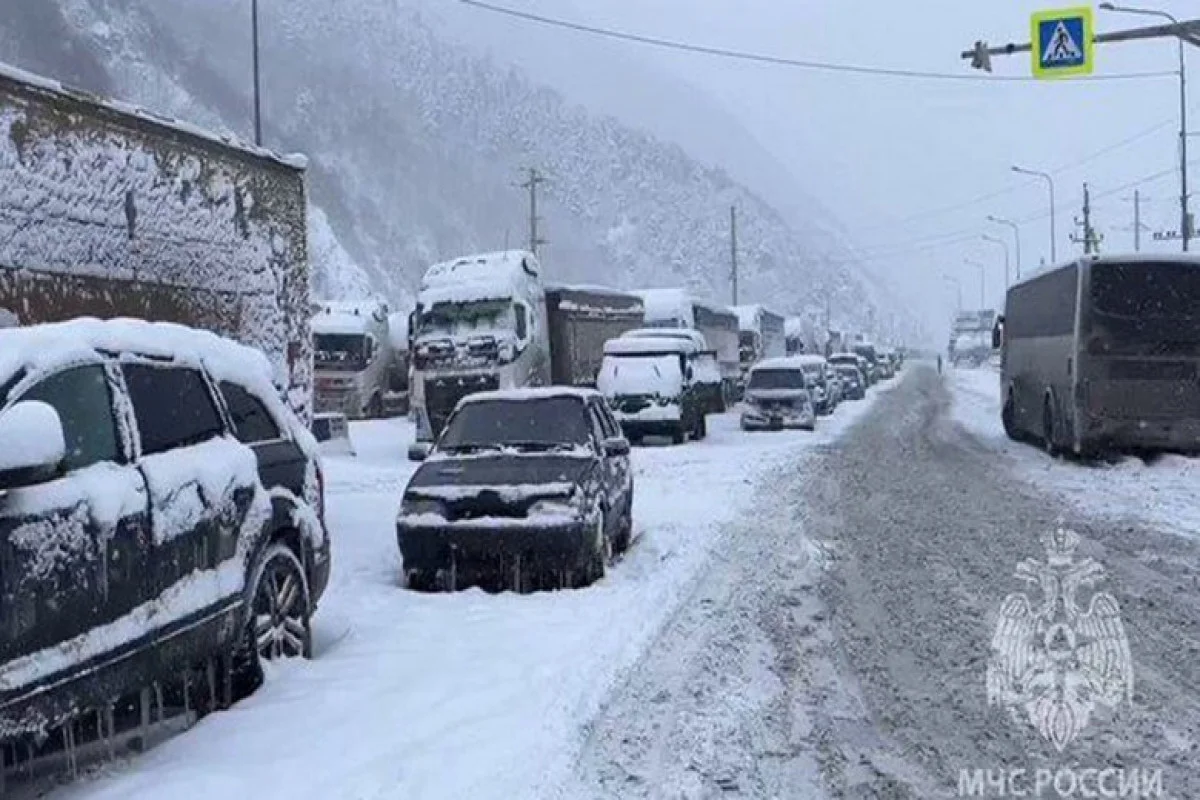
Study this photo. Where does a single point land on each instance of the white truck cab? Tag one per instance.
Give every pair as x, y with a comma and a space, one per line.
480, 324
351, 358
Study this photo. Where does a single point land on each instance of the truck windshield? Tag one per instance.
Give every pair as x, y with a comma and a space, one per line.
776, 379
538, 423
340, 351
1145, 308
468, 319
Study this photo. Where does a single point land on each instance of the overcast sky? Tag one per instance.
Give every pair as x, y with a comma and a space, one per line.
880, 152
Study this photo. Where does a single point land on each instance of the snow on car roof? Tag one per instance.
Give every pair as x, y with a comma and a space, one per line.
295, 161
531, 393
680, 334
37, 348
649, 344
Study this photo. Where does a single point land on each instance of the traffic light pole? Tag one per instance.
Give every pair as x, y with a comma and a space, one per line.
980, 55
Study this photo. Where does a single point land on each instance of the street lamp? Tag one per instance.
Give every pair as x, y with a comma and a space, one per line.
982, 280
1185, 228
1003, 244
257, 90
1049, 182
1016, 238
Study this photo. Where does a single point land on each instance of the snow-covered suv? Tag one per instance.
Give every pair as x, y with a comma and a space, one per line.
161, 517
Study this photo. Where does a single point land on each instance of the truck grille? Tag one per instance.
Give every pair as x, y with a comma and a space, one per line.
443, 394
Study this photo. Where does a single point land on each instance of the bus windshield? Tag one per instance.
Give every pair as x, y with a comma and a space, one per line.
1146, 308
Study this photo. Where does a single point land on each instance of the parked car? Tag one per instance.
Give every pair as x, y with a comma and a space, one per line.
161, 512
817, 381
777, 396
833, 386
709, 383
526, 488
650, 384
858, 362
852, 380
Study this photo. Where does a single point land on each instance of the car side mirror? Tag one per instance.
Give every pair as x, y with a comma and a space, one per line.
419, 451
32, 445
616, 446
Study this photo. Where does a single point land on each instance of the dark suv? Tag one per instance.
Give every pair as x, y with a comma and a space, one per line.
161, 524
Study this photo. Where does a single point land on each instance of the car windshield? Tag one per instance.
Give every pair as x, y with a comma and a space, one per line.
468, 319
528, 424
340, 351
776, 379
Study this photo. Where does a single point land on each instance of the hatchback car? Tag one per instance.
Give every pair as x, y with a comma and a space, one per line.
777, 396
524, 489
160, 513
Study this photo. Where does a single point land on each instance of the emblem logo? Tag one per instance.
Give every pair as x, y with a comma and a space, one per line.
1053, 660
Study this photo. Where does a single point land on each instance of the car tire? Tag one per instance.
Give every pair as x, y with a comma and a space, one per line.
702, 427
278, 609
420, 580
1008, 417
625, 532
599, 554
1048, 428
679, 435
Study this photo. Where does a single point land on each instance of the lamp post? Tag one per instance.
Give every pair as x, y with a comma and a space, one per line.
982, 280
1185, 228
1003, 244
1016, 239
257, 88
1049, 182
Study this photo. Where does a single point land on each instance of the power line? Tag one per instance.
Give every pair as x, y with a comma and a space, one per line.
762, 58
948, 209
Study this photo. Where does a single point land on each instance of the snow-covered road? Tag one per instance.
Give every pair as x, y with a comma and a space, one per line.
1164, 492
465, 695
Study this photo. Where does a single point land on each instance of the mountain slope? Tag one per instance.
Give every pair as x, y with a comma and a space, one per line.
416, 146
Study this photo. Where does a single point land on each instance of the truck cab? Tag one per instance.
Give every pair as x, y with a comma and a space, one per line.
351, 358
480, 325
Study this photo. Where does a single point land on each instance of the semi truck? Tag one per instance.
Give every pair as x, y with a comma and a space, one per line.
352, 358
488, 321
109, 211
971, 337
761, 335
677, 308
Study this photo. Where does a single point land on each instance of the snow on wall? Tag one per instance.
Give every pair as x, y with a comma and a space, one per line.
104, 212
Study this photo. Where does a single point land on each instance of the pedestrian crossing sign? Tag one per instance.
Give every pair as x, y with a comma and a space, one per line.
1063, 43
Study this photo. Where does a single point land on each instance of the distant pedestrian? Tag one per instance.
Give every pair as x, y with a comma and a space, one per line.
939, 363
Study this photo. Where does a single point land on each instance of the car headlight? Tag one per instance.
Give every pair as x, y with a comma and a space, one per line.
413, 505
563, 506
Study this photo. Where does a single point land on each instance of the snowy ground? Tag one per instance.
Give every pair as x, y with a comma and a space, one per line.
1161, 493
469, 694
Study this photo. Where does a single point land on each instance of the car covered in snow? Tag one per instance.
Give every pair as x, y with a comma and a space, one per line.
823, 387
524, 488
161, 515
650, 384
707, 370
855, 360
853, 382
778, 395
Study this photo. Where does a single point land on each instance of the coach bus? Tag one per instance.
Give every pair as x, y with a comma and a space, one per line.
1102, 355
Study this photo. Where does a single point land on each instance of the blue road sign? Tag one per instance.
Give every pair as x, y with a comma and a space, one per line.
1063, 43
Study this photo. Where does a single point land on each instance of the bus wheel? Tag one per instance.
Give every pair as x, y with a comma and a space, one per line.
1048, 427
1008, 416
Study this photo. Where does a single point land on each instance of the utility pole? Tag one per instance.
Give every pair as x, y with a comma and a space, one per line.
733, 250
1137, 221
535, 179
257, 86
1090, 240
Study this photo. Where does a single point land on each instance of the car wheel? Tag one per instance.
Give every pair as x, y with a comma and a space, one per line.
278, 609
600, 554
679, 435
1008, 417
625, 533
702, 427
420, 580
1048, 431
